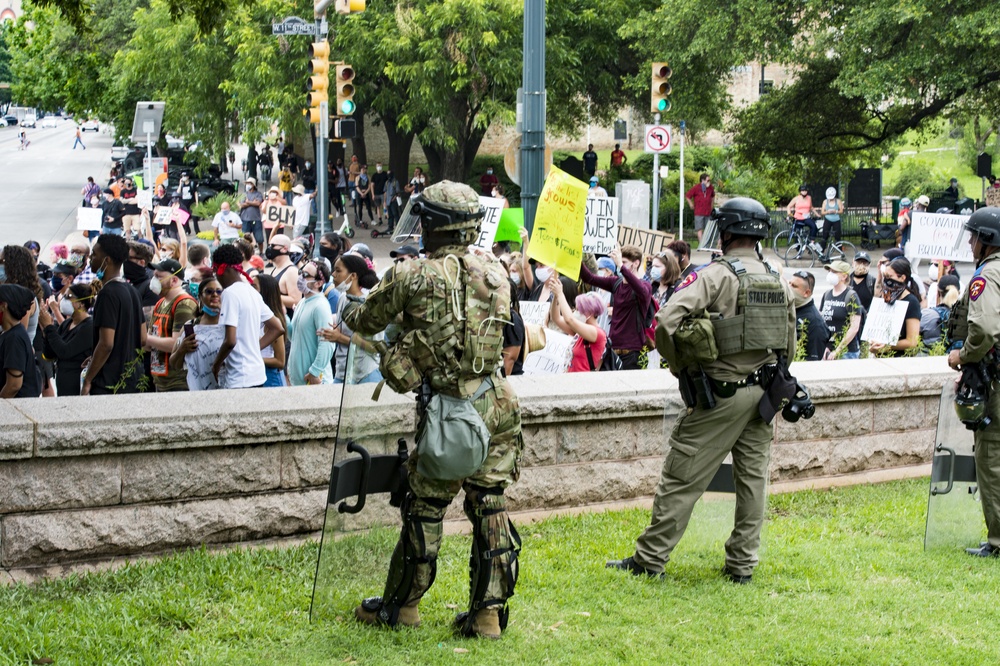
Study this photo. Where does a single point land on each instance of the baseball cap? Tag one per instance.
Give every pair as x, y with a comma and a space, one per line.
171, 266
406, 249
924, 200
66, 267
838, 266
108, 190
863, 256
363, 250
607, 263
593, 179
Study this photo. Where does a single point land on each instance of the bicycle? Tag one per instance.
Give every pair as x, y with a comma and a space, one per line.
838, 251
799, 251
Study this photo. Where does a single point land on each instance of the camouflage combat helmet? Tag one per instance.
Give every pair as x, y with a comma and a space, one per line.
449, 213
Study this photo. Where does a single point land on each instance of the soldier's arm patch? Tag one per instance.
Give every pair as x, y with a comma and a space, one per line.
692, 276
976, 287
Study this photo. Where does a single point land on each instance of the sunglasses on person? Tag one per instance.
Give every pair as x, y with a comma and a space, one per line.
211, 292
801, 274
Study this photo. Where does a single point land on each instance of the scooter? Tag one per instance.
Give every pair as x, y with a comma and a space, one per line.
377, 234
345, 228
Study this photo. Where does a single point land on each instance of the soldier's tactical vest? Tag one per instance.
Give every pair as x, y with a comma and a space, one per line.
958, 322
761, 321
470, 305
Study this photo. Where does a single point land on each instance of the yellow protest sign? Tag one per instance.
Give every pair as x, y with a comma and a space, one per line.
557, 234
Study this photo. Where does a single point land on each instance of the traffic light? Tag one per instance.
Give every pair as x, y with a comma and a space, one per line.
350, 6
319, 81
345, 90
660, 102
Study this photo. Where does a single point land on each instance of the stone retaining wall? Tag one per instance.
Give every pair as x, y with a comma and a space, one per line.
111, 476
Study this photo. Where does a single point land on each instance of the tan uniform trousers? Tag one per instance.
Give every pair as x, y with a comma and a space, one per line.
987, 455
699, 443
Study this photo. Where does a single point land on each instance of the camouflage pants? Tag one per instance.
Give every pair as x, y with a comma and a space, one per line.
485, 507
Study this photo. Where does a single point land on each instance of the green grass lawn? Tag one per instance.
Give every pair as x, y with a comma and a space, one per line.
843, 580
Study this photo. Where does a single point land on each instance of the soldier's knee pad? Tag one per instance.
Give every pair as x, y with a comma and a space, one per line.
493, 566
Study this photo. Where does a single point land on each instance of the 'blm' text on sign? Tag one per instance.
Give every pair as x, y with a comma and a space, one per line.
276, 214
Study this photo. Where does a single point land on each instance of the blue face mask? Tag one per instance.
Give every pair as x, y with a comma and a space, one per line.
100, 273
3, 273
211, 312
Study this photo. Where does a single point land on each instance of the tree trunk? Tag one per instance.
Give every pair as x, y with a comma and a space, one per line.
358, 142
454, 164
400, 143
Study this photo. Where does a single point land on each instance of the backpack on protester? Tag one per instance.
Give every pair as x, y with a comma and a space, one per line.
934, 324
609, 361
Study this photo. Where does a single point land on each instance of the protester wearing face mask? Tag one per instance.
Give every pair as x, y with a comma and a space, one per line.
276, 354
807, 317
487, 182
898, 287
842, 311
663, 274
283, 270
862, 281
71, 342
831, 209
250, 204
210, 301
379, 180
17, 358
309, 360
119, 330
166, 325
351, 274
630, 298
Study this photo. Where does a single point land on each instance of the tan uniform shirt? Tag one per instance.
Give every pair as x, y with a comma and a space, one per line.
983, 297
714, 288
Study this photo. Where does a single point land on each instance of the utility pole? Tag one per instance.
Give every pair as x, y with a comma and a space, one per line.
533, 133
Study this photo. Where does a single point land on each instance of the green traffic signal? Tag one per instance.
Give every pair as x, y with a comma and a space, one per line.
663, 105
347, 108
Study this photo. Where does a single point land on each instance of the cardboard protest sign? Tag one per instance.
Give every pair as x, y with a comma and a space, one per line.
600, 234
884, 322
277, 214
557, 235
649, 241
89, 219
511, 222
534, 312
199, 362
939, 236
555, 357
161, 217
492, 209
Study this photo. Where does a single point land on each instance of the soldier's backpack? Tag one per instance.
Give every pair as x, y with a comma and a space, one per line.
609, 361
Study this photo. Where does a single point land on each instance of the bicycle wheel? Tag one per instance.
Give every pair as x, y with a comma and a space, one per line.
781, 241
842, 251
799, 255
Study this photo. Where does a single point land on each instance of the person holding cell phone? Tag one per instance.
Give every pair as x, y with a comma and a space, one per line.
166, 324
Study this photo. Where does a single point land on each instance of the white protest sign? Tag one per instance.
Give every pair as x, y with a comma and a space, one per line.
554, 358
533, 312
884, 322
600, 235
492, 208
199, 362
89, 219
143, 199
939, 236
162, 217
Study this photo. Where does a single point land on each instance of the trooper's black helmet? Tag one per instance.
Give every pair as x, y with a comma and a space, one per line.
985, 222
743, 216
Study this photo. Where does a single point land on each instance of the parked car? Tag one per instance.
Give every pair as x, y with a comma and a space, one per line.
11, 120
28, 121
90, 126
49, 121
3, 123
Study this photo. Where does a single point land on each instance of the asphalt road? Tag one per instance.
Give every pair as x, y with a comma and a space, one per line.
40, 186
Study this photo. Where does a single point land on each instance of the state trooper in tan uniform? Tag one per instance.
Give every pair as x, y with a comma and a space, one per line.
976, 321
722, 333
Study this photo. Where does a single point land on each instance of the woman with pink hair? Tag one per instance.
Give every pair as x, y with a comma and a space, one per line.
588, 350
58, 251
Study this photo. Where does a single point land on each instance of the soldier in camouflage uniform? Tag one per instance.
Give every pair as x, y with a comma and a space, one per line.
450, 310
975, 322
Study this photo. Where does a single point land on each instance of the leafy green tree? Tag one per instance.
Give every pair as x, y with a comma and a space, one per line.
6, 75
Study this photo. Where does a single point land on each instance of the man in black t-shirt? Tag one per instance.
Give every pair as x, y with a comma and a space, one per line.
590, 160
808, 321
863, 282
119, 331
17, 358
113, 211
379, 179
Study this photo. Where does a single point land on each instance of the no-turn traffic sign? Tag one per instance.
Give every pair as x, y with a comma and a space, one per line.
657, 139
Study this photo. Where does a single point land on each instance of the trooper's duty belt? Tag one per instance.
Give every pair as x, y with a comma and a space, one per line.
759, 377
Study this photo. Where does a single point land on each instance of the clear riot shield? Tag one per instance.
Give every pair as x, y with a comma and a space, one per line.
714, 514
954, 514
408, 227
361, 525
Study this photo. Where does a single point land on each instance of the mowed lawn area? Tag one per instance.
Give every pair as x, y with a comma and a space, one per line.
843, 579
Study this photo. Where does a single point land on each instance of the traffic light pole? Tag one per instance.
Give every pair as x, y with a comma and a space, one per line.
533, 133
322, 146
656, 182
680, 217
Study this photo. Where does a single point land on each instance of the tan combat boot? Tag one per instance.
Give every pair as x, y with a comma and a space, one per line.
486, 624
409, 616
